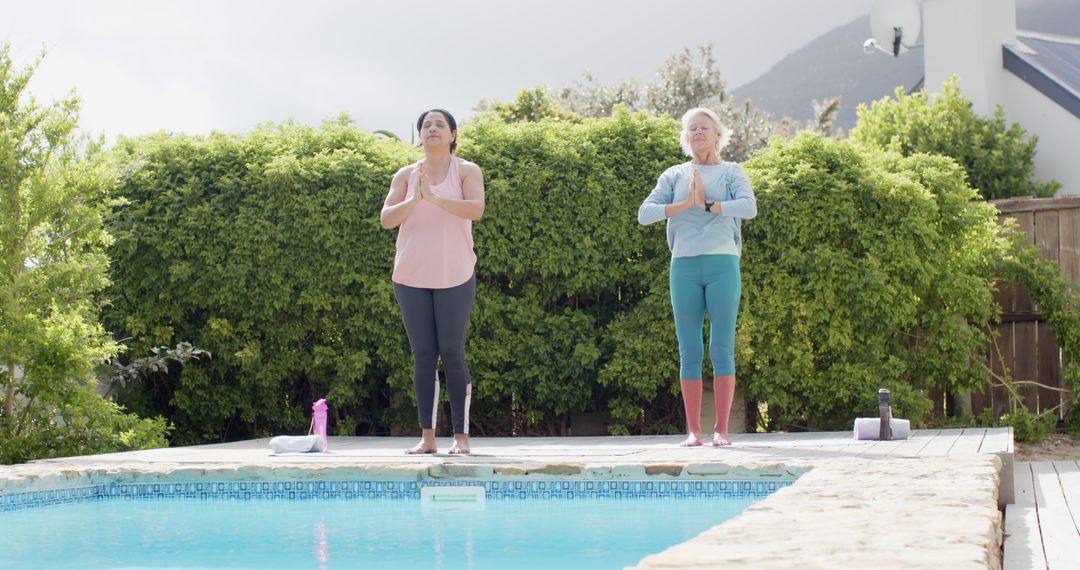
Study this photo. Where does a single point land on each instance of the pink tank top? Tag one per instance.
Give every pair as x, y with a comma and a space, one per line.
434, 247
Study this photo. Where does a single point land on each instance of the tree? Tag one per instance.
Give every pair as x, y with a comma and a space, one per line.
591, 99
688, 79
529, 106
686, 82
997, 157
52, 265
825, 113
750, 130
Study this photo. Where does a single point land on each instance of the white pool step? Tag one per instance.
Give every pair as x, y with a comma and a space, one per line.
452, 494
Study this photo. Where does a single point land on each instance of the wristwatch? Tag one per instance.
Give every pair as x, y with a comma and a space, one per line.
708, 206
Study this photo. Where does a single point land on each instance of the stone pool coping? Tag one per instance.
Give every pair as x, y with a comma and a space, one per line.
844, 512
43, 477
849, 513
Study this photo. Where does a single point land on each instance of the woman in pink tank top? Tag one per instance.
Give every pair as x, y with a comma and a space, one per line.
433, 204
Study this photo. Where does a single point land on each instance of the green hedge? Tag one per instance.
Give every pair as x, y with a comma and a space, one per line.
561, 256
863, 269
266, 250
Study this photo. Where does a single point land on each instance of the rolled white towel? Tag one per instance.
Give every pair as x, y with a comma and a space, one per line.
870, 428
297, 443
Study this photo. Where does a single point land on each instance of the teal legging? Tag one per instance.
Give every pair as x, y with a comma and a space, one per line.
700, 283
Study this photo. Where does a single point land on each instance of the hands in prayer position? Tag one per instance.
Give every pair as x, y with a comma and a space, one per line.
424, 192
697, 190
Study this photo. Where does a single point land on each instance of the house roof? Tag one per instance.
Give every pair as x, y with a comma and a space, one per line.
1049, 63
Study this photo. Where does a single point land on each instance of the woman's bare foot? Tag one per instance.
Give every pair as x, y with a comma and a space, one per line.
426, 445
421, 448
692, 440
461, 445
720, 440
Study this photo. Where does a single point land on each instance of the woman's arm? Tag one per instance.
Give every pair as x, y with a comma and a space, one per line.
472, 187
396, 208
743, 203
659, 206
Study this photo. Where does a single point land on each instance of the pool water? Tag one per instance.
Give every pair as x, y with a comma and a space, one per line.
177, 533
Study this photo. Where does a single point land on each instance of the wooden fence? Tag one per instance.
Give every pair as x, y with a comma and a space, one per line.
1025, 345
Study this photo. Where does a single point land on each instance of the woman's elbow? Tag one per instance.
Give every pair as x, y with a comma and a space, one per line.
751, 208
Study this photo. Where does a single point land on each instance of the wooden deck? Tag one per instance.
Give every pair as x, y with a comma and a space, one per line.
1042, 527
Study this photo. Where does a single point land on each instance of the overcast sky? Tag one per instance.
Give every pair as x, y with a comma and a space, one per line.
197, 66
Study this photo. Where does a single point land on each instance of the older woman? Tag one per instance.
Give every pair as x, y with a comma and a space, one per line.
704, 201
434, 202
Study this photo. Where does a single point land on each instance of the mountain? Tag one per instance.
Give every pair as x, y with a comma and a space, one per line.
834, 64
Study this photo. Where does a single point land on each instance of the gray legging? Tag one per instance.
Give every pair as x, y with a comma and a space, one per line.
436, 321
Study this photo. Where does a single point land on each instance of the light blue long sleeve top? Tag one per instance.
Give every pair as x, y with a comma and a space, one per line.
695, 231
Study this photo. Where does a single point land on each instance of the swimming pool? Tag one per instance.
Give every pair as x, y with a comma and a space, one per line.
572, 524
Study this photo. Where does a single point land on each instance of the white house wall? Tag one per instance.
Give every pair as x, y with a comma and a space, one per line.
1058, 130
964, 38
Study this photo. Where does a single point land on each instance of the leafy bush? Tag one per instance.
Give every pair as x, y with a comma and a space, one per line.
266, 250
53, 190
1026, 426
862, 270
997, 157
84, 424
563, 255
1072, 421
867, 269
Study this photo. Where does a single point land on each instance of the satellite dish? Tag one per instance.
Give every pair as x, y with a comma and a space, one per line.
896, 25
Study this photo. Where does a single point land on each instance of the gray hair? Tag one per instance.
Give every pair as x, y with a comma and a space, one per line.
684, 136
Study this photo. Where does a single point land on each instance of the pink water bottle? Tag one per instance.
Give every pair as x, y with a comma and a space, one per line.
318, 421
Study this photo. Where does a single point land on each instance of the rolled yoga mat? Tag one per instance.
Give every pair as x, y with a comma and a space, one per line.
870, 428
297, 443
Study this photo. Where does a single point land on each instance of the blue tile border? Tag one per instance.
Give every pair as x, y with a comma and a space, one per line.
502, 490
601, 489
35, 499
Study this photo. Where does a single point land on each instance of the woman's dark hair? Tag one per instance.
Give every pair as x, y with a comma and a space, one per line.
449, 120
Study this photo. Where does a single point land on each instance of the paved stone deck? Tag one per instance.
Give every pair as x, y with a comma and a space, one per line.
928, 502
